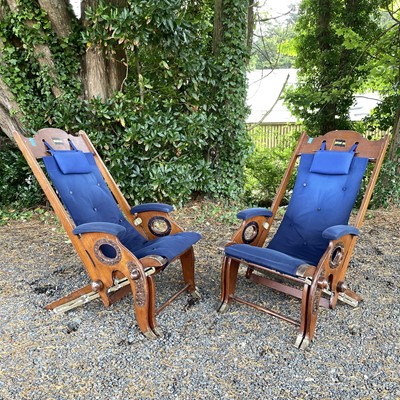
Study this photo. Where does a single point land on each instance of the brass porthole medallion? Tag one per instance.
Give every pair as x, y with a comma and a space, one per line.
336, 256
159, 226
250, 232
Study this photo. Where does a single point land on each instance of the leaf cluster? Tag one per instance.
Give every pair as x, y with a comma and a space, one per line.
332, 38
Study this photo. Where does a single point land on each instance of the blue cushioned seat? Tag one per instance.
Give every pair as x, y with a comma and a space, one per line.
168, 246
87, 198
265, 258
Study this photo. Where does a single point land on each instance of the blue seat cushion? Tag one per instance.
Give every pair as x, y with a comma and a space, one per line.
168, 246
265, 257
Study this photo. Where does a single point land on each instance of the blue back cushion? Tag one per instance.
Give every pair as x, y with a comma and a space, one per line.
86, 195
319, 200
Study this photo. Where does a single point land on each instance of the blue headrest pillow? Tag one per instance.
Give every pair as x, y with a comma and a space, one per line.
332, 162
72, 162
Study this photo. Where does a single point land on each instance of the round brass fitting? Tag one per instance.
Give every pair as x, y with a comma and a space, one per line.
97, 286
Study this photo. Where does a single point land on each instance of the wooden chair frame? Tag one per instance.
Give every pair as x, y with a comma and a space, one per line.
110, 280
328, 276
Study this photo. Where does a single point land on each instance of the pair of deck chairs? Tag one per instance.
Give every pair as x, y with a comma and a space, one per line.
124, 248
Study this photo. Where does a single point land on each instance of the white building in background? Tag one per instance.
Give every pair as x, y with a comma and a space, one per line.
265, 86
76, 5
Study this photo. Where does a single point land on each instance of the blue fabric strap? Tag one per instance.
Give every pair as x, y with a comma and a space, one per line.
353, 148
71, 143
48, 146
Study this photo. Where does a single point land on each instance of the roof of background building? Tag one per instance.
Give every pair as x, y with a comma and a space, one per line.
265, 86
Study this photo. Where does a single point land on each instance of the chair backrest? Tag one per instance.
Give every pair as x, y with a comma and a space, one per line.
85, 194
85, 189
325, 191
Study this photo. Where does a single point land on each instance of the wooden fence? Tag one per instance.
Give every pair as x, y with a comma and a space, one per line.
273, 135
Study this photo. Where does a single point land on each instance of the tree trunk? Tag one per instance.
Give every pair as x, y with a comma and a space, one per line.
103, 73
94, 71
218, 32
59, 15
10, 114
43, 55
250, 25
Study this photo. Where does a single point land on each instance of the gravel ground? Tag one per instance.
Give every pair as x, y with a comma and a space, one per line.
97, 353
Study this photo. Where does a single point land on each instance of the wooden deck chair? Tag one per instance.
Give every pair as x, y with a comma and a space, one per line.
122, 248
309, 254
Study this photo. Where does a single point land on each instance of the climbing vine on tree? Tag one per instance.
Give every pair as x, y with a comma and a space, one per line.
165, 109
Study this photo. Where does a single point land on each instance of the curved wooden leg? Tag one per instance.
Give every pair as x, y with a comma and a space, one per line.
249, 272
187, 262
309, 310
152, 306
142, 299
229, 274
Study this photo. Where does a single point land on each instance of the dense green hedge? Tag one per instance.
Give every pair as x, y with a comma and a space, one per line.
175, 129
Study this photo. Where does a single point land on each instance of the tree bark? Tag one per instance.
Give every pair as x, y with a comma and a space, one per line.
117, 70
218, 26
94, 69
250, 25
60, 16
103, 73
10, 113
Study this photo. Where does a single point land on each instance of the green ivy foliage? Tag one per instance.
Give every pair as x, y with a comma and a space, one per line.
21, 32
177, 126
17, 183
